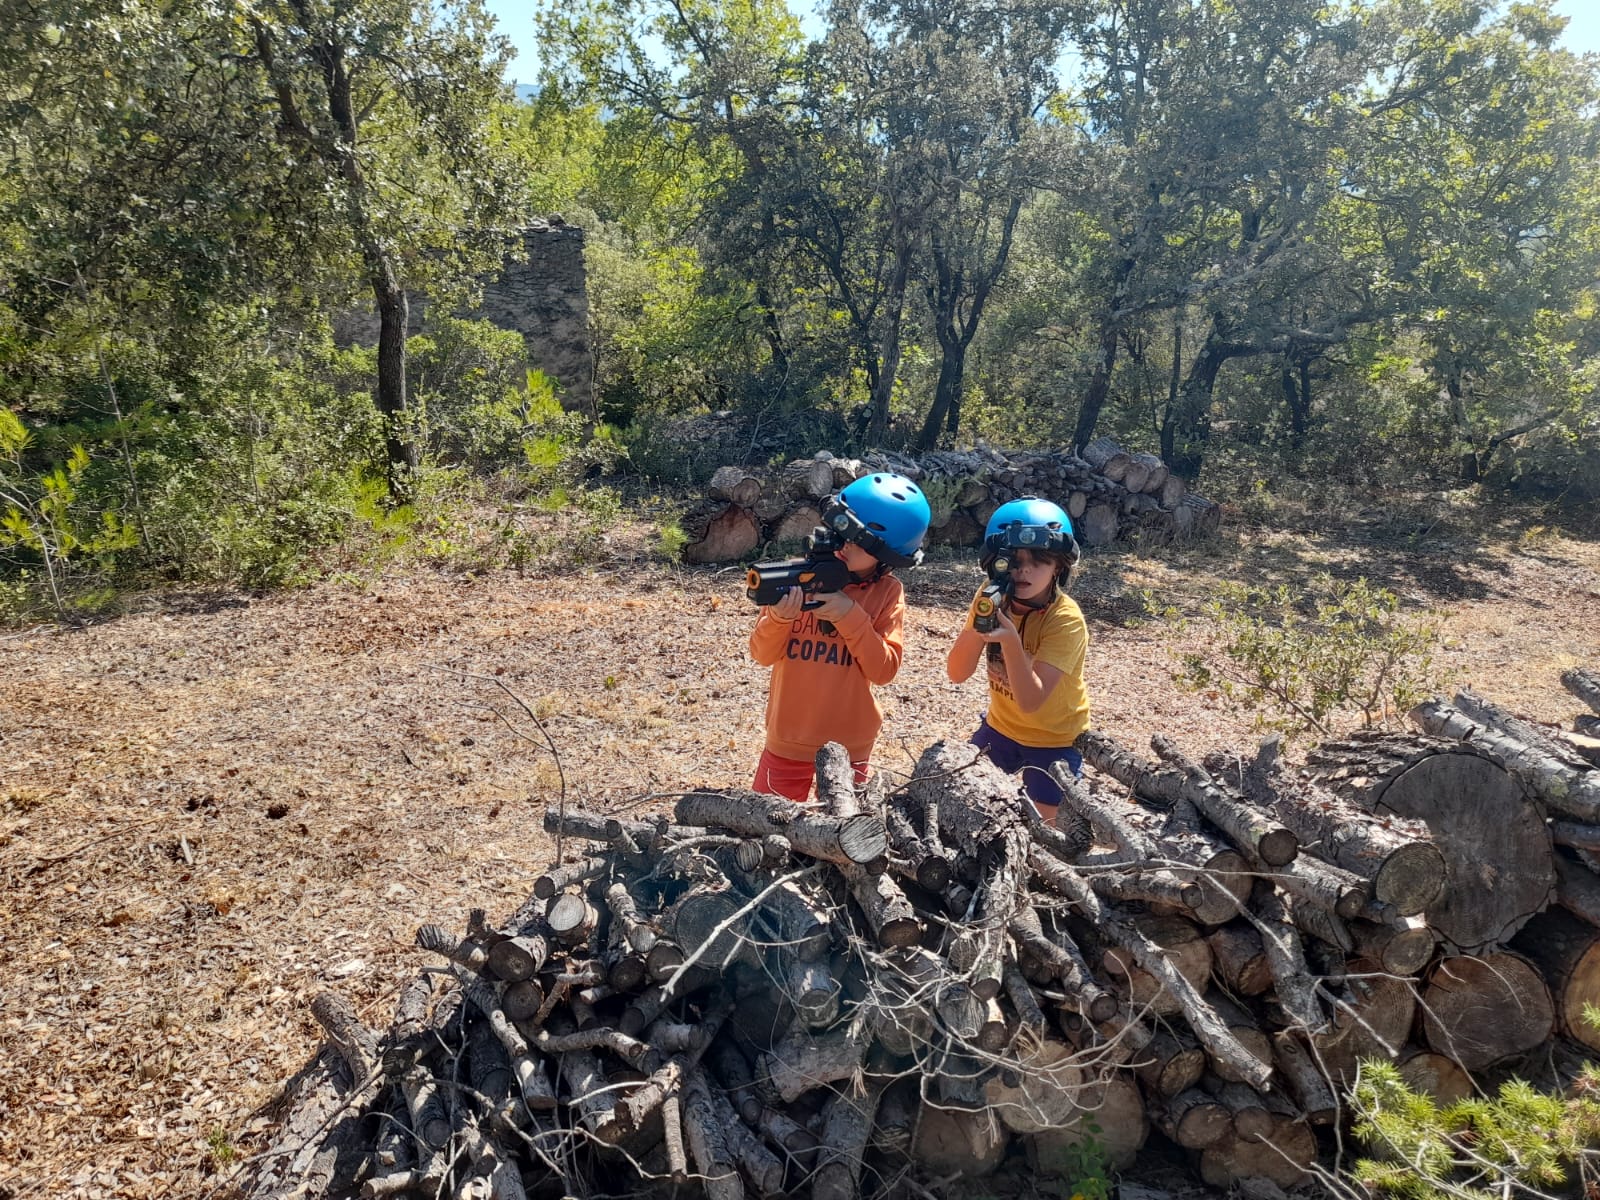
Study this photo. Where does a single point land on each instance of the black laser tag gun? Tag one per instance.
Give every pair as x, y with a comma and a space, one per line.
768, 582
986, 609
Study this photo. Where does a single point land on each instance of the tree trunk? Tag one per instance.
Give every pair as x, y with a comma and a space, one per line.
1094, 396
393, 316
1187, 431
735, 485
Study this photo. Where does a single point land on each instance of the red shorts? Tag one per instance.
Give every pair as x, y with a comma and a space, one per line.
791, 777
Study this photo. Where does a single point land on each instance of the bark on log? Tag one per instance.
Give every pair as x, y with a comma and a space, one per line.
1181, 946
735, 484
1108, 458
801, 1062
1486, 712
1221, 870
1245, 1028
1577, 889
846, 1126
889, 914
707, 1144
558, 879
533, 1082
1585, 685
808, 478
759, 1165
1398, 949
1567, 952
1296, 989
625, 911
1252, 831
857, 839
1406, 869
1480, 1011
1309, 1086
1193, 1119
1498, 859
1155, 962
975, 801
1239, 958
1567, 789
356, 1044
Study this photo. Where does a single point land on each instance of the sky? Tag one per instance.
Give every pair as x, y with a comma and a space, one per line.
515, 19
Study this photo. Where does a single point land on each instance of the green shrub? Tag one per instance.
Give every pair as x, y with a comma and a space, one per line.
1521, 1140
1342, 647
43, 523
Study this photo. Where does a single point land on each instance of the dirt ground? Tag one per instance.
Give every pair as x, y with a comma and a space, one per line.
216, 806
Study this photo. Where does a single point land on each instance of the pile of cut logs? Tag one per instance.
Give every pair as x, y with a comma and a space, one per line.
1110, 494
762, 998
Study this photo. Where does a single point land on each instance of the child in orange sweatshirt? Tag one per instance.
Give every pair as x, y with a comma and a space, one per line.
826, 654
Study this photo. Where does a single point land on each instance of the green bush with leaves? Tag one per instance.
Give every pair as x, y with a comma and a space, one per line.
1342, 647
42, 523
1519, 1141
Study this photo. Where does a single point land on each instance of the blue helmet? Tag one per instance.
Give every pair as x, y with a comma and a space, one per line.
1030, 523
890, 517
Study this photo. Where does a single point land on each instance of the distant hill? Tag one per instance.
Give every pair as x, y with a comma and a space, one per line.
526, 92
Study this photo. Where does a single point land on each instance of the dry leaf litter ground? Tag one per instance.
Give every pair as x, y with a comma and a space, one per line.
213, 808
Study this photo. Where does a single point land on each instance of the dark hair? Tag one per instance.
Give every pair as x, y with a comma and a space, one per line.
1061, 564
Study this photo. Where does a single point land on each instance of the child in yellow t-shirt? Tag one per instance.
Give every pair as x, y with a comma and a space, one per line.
1038, 704
826, 654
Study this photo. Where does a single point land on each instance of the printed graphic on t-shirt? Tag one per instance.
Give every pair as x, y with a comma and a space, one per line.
807, 643
998, 677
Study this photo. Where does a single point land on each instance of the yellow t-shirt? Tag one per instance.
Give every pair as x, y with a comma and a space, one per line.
1056, 635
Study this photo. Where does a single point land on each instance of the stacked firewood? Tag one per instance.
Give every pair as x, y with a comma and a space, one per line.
1110, 494
763, 997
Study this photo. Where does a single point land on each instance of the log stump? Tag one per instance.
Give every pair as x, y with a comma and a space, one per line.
1499, 865
1481, 1011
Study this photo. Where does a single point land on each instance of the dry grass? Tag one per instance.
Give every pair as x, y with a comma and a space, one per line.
216, 807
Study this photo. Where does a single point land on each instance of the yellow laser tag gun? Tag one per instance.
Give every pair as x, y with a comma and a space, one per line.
768, 582
986, 609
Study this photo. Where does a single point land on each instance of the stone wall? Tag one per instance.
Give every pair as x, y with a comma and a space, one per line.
545, 299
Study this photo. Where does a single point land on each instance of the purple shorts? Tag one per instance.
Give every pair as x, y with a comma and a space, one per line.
1032, 762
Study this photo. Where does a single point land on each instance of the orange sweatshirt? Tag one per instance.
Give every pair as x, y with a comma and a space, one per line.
822, 682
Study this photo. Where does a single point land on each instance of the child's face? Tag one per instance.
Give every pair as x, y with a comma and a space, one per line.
855, 558
1031, 576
